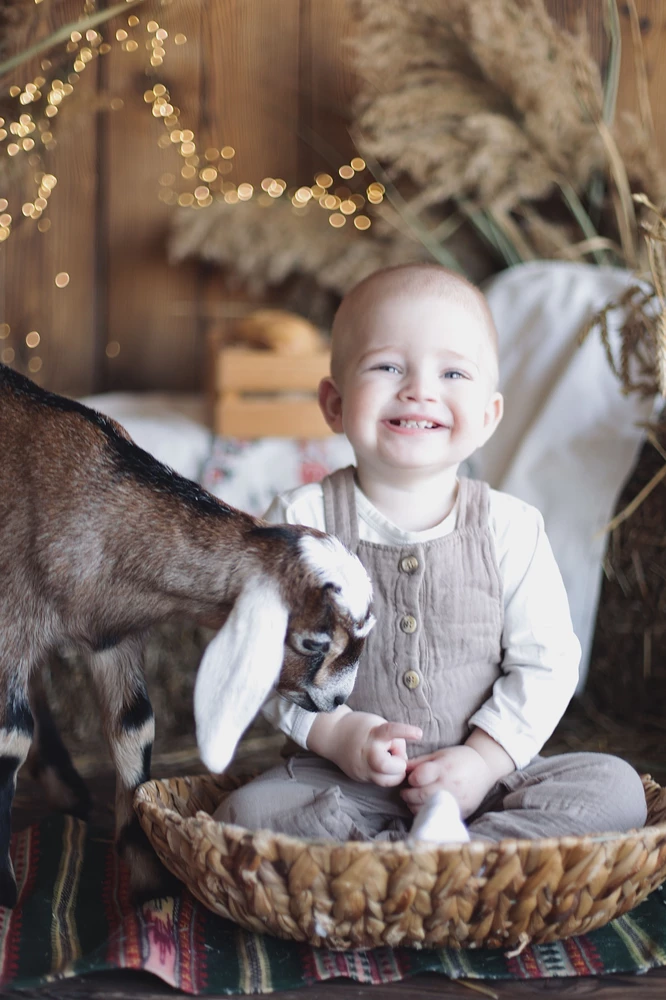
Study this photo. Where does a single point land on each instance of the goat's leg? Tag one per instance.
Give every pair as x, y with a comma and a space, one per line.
130, 730
16, 729
49, 761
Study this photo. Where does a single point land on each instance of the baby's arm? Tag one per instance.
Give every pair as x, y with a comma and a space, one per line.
540, 650
366, 747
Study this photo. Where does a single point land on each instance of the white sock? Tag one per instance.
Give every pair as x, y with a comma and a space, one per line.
439, 821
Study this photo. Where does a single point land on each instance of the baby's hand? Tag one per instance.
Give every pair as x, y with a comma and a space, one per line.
365, 746
370, 749
460, 770
385, 752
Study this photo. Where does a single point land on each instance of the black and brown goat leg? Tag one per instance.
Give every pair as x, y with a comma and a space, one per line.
16, 729
49, 761
130, 731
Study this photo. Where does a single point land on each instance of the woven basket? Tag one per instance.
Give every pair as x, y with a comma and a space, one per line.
365, 895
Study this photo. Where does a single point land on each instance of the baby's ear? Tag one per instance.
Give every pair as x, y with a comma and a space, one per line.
330, 403
493, 415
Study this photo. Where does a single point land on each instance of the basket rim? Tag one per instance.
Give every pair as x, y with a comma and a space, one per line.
145, 800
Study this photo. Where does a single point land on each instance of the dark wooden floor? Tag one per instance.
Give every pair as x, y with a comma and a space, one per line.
579, 730
130, 985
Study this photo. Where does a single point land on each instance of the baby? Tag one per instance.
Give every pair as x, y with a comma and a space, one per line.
473, 659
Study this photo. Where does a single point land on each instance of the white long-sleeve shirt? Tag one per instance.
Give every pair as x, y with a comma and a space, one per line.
540, 650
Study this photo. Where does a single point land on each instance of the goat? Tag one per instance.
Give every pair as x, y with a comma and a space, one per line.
99, 541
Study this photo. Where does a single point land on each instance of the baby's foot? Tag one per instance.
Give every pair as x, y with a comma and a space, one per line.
438, 820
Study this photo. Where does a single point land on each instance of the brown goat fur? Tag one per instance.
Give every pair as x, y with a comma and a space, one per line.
99, 541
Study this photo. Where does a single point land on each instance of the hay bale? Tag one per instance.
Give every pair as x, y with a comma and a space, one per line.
627, 675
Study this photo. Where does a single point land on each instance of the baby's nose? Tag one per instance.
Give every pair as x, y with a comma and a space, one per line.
420, 388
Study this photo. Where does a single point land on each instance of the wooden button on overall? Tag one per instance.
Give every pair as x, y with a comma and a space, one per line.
408, 624
411, 679
409, 564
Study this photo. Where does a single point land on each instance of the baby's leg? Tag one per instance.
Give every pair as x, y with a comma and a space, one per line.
306, 797
439, 821
575, 793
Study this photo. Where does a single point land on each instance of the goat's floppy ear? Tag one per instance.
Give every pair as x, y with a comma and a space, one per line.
238, 670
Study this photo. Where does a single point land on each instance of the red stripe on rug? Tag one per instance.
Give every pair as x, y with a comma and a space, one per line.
199, 934
131, 921
583, 956
25, 859
524, 966
185, 944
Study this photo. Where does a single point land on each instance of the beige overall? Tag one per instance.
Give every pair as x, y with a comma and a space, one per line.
431, 661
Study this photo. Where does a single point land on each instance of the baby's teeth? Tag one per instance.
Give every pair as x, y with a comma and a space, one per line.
421, 424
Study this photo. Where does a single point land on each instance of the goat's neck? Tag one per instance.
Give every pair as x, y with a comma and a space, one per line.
198, 562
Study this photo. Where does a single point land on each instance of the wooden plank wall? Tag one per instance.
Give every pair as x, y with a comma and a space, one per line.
253, 74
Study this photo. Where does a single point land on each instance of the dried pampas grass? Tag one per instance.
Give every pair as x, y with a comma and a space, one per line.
496, 105
640, 364
265, 245
468, 99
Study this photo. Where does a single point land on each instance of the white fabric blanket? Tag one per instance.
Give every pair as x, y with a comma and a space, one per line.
569, 438
567, 442
169, 426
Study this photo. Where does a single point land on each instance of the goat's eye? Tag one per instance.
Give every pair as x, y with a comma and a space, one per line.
308, 643
318, 646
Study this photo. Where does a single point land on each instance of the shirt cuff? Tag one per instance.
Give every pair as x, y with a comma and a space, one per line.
294, 721
521, 747
301, 726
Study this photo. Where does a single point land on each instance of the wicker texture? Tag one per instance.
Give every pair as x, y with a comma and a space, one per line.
364, 895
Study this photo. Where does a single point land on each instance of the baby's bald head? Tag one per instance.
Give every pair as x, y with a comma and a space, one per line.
407, 281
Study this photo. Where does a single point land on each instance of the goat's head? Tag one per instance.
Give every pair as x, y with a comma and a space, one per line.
298, 624
328, 622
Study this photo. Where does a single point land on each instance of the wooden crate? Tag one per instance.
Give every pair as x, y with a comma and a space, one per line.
263, 394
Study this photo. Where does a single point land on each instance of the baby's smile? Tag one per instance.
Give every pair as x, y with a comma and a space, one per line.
412, 424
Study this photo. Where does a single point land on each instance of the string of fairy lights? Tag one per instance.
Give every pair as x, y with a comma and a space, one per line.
198, 179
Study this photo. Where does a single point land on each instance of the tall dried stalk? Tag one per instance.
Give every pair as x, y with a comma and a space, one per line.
640, 361
495, 106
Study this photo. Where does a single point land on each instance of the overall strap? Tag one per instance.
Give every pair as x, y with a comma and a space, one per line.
340, 506
473, 503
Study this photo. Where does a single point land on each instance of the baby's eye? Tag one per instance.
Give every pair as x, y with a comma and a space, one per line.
393, 369
454, 374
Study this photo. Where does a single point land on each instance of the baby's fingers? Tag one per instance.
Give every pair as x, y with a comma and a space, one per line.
386, 780
415, 797
417, 761
385, 763
398, 748
389, 731
424, 774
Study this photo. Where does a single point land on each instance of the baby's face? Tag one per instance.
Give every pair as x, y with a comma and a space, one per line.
418, 383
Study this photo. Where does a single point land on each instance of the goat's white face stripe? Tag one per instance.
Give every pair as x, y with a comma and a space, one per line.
365, 628
332, 563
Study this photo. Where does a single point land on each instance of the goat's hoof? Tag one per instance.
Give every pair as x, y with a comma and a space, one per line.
154, 885
81, 802
149, 879
8, 892
64, 789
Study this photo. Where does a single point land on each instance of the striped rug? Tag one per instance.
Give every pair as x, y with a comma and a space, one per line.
74, 916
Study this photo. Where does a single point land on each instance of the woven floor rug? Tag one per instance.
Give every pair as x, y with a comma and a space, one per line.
74, 917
